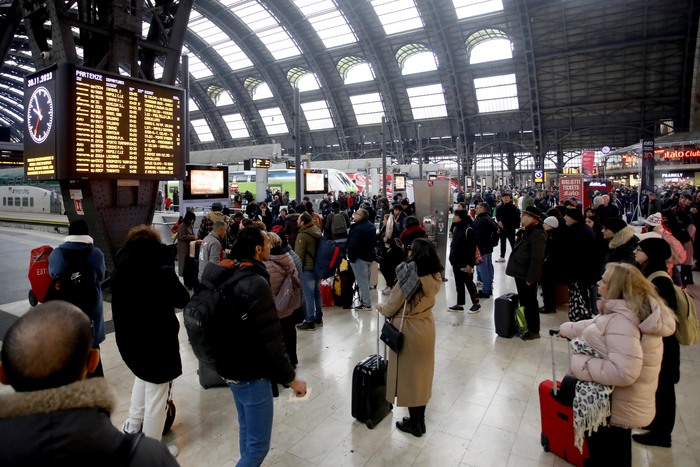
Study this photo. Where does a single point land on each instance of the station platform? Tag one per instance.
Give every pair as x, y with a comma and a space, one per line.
484, 409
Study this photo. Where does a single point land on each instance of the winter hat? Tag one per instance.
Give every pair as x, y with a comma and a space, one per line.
646, 235
552, 222
79, 227
654, 220
534, 212
615, 224
656, 249
575, 214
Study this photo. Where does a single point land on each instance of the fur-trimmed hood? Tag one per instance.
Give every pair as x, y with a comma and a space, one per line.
89, 393
622, 237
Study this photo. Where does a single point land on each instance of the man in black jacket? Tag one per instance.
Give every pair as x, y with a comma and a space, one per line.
508, 218
580, 268
484, 227
250, 351
462, 258
57, 415
362, 252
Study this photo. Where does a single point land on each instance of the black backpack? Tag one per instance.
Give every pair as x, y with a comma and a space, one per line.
210, 307
338, 225
76, 284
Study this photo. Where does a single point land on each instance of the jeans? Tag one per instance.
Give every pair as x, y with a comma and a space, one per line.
362, 271
486, 270
312, 295
254, 405
149, 407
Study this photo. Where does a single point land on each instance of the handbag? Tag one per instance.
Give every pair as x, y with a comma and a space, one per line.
392, 337
577, 304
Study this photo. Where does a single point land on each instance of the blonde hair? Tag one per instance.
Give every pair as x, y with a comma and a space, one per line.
627, 283
275, 240
260, 224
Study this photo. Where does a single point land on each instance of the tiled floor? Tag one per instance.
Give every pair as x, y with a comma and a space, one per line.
484, 410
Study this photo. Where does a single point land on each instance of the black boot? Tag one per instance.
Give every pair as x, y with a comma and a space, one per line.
422, 423
410, 427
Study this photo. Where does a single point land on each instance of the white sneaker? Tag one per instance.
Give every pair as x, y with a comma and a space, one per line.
173, 449
129, 429
387, 290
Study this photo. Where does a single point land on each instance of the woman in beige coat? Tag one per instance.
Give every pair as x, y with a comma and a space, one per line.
410, 372
627, 336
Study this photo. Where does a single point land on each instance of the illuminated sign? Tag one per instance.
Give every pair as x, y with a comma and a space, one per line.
103, 126
679, 153
258, 163
571, 170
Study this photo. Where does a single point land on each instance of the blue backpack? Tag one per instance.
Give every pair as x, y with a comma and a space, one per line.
329, 254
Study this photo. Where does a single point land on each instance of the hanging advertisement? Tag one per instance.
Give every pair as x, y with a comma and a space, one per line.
647, 182
587, 162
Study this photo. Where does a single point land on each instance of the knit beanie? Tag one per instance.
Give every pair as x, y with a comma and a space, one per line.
656, 249
615, 224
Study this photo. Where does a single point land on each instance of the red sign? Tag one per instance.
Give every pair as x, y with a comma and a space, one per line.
571, 187
680, 154
587, 162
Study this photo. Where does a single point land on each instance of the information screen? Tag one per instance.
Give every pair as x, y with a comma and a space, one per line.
399, 182
205, 182
113, 127
315, 182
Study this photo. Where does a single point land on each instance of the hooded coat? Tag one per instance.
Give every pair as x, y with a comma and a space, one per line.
69, 426
279, 266
410, 373
307, 243
631, 352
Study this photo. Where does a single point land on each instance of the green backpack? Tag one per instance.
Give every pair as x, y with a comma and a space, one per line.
687, 326
520, 321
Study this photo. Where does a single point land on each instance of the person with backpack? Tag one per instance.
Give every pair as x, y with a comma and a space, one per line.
652, 255
337, 223
305, 247
213, 247
362, 252
285, 283
486, 232
146, 327
248, 347
79, 267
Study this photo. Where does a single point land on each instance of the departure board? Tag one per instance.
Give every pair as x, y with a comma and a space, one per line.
115, 127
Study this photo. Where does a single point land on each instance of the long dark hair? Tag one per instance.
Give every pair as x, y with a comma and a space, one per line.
425, 256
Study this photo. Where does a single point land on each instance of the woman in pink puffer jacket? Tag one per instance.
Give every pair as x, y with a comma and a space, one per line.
627, 334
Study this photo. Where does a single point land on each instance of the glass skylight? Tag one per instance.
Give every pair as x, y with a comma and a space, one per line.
10, 89
201, 127
427, 101
419, 63
368, 108
262, 91
192, 105
197, 67
496, 93
236, 126
274, 122
354, 70
220, 42
397, 15
329, 23
491, 50
471, 8
317, 114
266, 27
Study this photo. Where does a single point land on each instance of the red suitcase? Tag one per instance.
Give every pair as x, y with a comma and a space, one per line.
326, 293
39, 278
557, 434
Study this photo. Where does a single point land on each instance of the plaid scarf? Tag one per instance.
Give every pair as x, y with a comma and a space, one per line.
591, 401
407, 278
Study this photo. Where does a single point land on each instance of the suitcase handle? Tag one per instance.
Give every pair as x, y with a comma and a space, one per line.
553, 334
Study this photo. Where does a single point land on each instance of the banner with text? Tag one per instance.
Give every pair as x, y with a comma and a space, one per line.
587, 162
571, 187
647, 166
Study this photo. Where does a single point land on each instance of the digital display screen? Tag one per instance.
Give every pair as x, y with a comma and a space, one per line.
260, 163
399, 182
205, 182
41, 122
106, 126
315, 182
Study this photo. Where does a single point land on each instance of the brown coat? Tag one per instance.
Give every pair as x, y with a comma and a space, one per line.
185, 234
410, 373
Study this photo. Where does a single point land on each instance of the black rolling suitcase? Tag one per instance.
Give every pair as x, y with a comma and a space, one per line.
209, 378
369, 404
504, 315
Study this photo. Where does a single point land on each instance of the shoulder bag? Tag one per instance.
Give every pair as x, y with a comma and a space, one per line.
392, 337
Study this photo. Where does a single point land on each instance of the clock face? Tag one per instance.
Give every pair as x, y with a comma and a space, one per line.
40, 115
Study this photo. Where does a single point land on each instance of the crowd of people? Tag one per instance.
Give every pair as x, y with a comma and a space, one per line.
624, 280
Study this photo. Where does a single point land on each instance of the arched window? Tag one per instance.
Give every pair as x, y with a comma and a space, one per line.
488, 45
257, 88
354, 70
303, 79
415, 58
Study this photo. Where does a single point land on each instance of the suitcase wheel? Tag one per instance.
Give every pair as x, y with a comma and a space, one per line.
370, 424
32, 298
545, 442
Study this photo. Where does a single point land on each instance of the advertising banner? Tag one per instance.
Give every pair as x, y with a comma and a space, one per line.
587, 162
571, 187
647, 166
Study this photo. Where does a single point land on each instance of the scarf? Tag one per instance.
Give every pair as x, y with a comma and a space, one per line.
591, 400
407, 278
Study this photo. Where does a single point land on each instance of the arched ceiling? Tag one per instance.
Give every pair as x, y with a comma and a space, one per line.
583, 74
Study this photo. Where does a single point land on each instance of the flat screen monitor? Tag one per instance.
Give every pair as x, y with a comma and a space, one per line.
204, 182
315, 182
399, 182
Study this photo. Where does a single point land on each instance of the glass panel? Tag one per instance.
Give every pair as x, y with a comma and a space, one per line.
224, 99
193, 105
397, 15
201, 127
220, 41
368, 108
236, 126
491, 50
427, 101
317, 114
273, 120
471, 8
359, 74
327, 21
308, 82
197, 68
266, 27
496, 93
419, 62
262, 91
